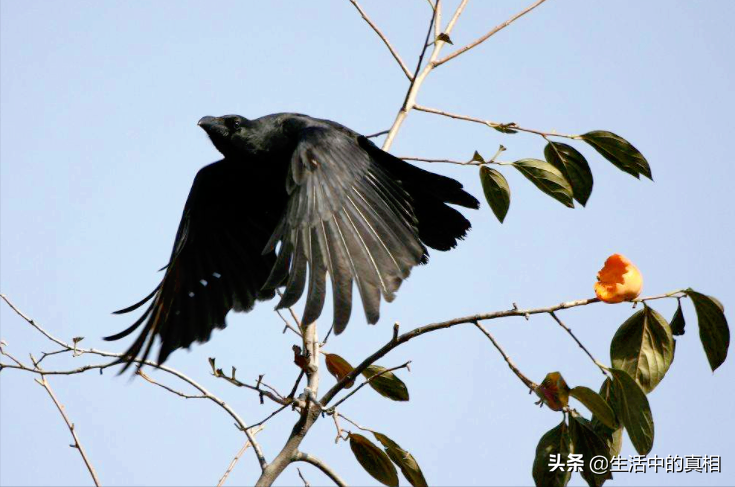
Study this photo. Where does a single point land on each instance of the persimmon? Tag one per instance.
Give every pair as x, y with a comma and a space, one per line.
619, 280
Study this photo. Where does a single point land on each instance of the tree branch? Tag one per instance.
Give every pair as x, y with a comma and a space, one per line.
44, 383
326, 469
485, 37
422, 330
528, 382
418, 80
491, 124
569, 330
395, 54
234, 461
80, 351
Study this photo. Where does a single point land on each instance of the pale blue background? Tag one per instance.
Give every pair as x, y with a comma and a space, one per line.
99, 147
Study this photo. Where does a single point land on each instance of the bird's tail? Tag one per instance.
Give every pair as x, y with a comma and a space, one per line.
440, 226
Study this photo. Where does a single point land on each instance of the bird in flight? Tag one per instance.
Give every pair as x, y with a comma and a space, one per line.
294, 200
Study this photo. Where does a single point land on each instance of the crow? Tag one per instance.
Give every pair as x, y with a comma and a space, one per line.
294, 200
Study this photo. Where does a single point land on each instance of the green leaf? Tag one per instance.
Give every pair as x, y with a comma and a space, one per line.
547, 178
373, 460
387, 384
405, 461
338, 367
713, 329
618, 151
476, 157
588, 443
613, 437
573, 166
632, 409
596, 404
497, 191
677, 322
555, 442
643, 346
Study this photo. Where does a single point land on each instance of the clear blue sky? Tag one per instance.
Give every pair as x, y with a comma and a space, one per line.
99, 146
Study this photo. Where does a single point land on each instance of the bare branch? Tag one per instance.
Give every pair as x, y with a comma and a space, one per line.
169, 389
326, 469
395, 54
377, 134
528, 382
569, 330
44, 383
81, 351
491, 124
237, 457
419, 79
306, 483
492, 32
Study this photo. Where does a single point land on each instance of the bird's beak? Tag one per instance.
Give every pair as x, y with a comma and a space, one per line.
214, 126
207, 122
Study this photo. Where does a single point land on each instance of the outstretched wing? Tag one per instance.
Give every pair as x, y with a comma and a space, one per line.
217, 264
346, 217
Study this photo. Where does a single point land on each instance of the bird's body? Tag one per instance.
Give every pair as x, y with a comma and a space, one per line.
295, 201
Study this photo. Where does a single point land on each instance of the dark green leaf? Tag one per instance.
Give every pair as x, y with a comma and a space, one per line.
547, 178
405, 461
677, 322
555, 442
476, 157
373, 460
643, 346
713, 329
632, 409
387, 384
596, 404
588, 443
573, 166
613, 437
497, 192
618, 151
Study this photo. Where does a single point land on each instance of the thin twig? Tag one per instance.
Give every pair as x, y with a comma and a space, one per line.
306, 484
44, 383
377, 134
237, 457
169, 389
569, 330
395, 54
492, 32
528, 382
491, 124
326, 469
288, 326
81, 351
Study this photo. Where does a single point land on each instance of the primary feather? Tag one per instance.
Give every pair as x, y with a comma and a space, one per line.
334, 205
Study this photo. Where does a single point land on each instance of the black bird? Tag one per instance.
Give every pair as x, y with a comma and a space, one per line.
294, 193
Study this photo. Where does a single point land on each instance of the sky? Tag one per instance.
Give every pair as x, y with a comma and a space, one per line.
99, 145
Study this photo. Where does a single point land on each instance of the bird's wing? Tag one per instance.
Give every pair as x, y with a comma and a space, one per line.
217, 264
345, 217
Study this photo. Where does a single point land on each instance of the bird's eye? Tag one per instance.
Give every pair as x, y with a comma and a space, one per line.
235, 124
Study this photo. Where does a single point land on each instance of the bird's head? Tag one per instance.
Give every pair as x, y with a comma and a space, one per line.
229, 133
